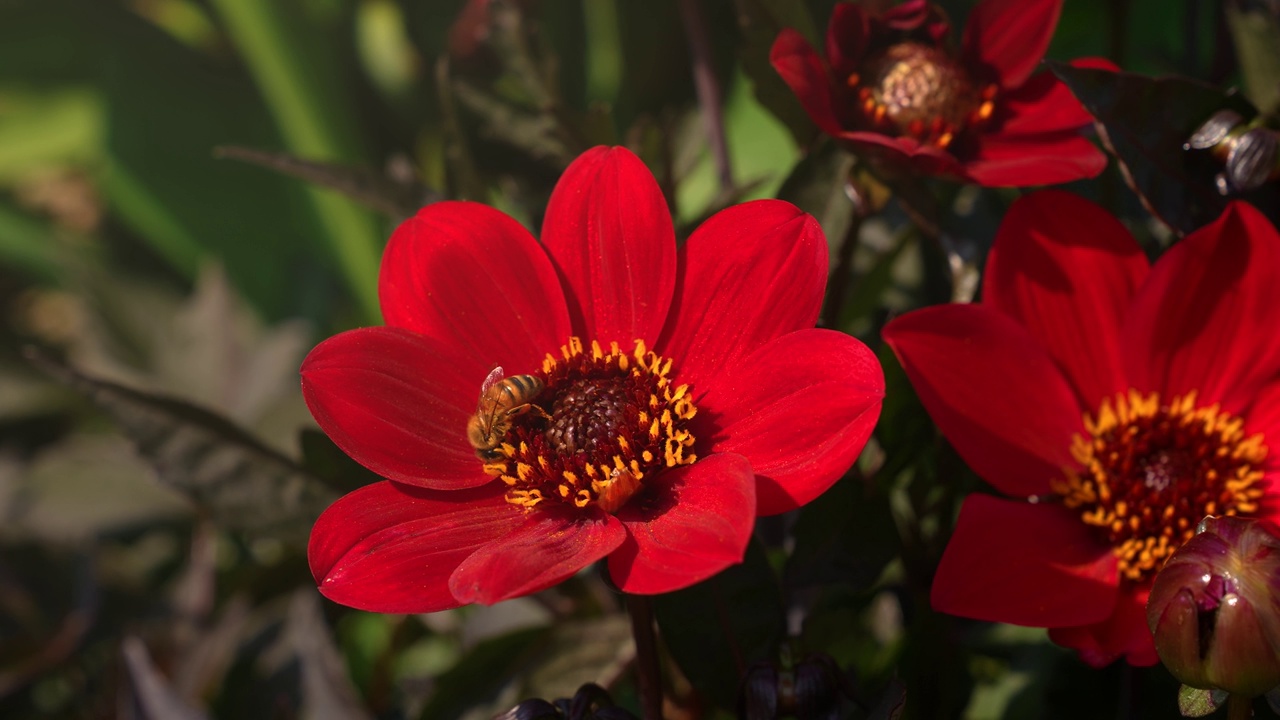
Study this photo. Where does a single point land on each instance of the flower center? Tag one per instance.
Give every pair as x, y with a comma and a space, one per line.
1153, 471
606, 421
919, 90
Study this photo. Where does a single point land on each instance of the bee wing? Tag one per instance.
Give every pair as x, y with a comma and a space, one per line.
490, 402
494, 377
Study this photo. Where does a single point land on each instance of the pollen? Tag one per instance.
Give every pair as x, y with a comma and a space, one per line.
607, 421
918, 90
1149, 471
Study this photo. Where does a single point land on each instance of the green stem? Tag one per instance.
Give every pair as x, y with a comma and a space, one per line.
314, 124
708, 89
648, 672
838, 286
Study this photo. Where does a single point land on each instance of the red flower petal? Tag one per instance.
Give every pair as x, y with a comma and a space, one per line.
800, 409
1206, 320
749, 274
1123, 634
802, 70
469, 275
1067, 270
1010, 36
907, 16
848, 32
391, 548
1263, 416
609, 233
398, 403
924, 159
1024, 160
992, 390
1044, 104
1025, 564
546, 546
697, 523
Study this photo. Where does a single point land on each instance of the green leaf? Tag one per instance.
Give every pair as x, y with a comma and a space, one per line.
869, 290
816, 185
536, 133
1255, 28
716, 629
847, 535
161, 178
85, 487
241, 483
28, 245
1149, 145
905, 431
47, 128
1198, 702
299, 80
578, 653
482, 673
322, 458
396, 198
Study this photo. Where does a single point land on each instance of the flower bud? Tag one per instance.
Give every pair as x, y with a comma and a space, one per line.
591, 702
1213, 608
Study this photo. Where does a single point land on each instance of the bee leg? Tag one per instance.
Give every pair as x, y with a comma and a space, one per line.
528, 407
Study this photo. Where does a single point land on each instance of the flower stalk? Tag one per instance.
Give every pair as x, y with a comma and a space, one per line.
648, 669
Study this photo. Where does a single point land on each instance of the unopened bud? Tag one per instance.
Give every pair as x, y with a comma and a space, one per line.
1214, 608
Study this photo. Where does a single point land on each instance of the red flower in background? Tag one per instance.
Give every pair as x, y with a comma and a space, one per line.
683, 393
890, 87
1117, 405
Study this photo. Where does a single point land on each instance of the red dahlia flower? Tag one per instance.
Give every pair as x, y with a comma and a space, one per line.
670, 396
1117, 404
889, 86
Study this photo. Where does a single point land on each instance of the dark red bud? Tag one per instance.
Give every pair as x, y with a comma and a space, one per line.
1213, 608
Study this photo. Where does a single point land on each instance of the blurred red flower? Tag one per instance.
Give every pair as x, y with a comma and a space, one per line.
1118, 403
686, 391
891, 88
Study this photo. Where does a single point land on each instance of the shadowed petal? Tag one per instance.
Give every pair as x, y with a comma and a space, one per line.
800, 409
1067, 270
1206, 319
1024, 160
802, 70
924, 158
847, 34
391, 548
1010, 36
467, 274
1024, 563
749, 274
695, 523
398, 403
545, 547
609, 233
1123, 634
992, 390
1044, 104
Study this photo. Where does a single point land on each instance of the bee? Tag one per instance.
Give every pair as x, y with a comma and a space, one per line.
501, 400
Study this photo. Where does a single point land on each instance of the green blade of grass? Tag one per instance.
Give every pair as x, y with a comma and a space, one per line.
315, 125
